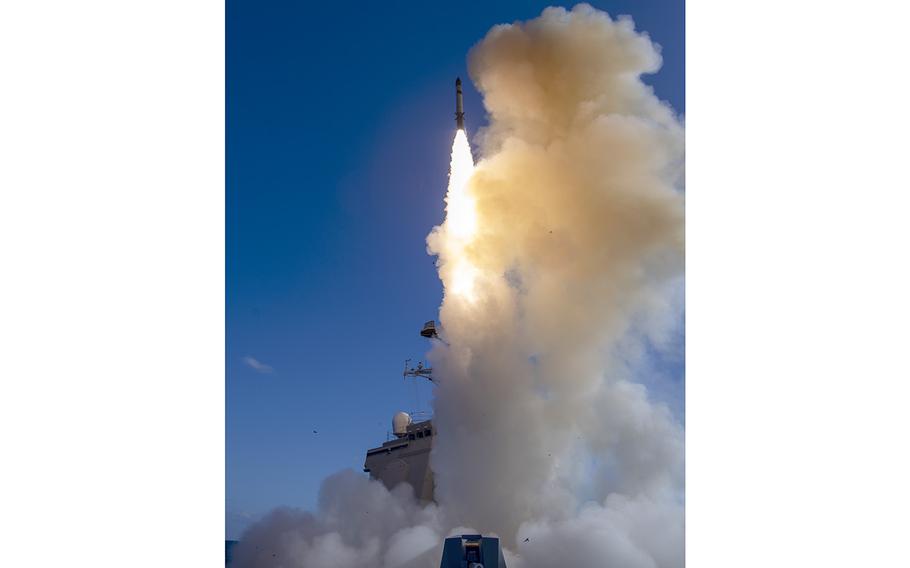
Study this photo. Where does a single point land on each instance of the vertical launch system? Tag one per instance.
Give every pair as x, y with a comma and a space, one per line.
472, 551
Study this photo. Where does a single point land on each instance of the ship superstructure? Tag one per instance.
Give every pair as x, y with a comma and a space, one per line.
406, 457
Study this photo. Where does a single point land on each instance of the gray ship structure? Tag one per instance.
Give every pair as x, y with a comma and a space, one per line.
406, 457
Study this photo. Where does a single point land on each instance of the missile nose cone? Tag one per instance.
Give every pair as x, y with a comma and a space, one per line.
457, 81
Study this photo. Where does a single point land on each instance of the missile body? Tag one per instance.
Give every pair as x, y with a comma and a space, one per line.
459, 108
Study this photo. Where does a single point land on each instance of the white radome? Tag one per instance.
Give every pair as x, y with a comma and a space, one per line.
400, 423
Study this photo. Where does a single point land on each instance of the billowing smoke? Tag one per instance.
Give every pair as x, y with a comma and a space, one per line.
562, 260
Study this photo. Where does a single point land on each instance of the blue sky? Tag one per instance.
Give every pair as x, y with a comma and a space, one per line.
339, 126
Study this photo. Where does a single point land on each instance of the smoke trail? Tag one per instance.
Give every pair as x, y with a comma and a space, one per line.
561, 257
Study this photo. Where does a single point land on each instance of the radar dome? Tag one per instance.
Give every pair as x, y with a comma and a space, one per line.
400, 423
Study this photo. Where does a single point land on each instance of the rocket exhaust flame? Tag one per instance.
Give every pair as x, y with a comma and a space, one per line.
461, 219
561, 261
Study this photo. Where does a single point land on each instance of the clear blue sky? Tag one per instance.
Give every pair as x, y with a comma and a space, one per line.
339, 126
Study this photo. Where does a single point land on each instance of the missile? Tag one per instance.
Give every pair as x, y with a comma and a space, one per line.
459, 108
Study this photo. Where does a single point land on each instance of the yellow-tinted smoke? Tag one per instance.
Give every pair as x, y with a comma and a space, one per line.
562, 258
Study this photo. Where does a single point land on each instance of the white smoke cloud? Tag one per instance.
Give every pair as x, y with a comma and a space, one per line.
574, 255
358, 523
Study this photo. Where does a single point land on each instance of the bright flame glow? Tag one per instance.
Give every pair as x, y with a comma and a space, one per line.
461, 219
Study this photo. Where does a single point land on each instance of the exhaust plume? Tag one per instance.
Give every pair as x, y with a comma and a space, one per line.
561, 257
